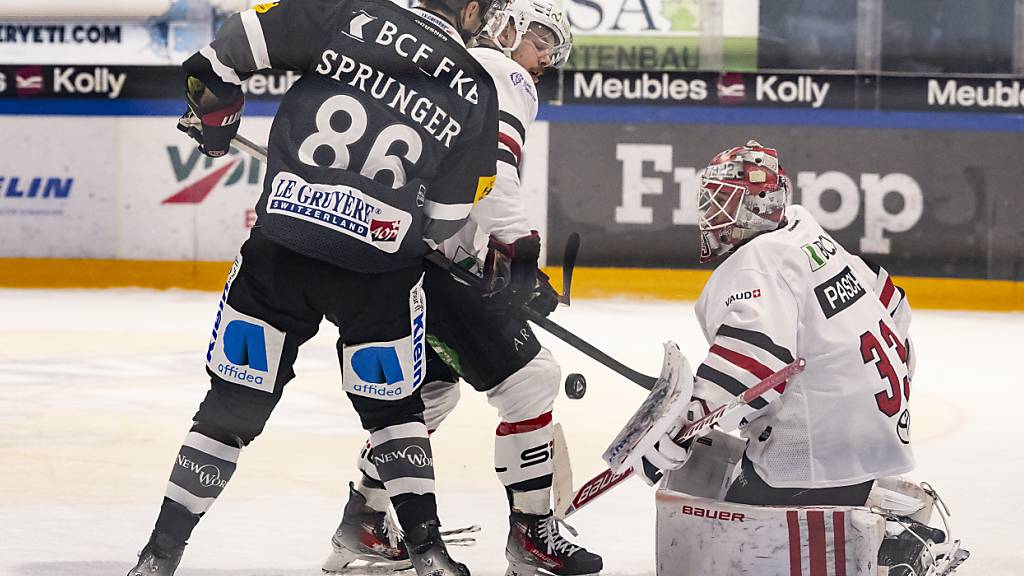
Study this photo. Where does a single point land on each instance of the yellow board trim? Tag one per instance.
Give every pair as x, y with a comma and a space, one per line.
662, 284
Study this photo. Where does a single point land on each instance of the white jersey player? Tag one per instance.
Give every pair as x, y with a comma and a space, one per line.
834, 435
475, 338
788, 289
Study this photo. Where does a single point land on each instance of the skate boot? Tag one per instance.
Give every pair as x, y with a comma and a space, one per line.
365, 541
914, 549
158, 558
428, 553
536, 547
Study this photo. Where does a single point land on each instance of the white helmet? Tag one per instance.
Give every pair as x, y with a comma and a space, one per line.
743, 192
525, 14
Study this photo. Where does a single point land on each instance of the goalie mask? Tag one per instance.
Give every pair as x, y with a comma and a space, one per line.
542, 22
743, 192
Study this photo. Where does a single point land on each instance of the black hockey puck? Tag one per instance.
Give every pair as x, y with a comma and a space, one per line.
575, 386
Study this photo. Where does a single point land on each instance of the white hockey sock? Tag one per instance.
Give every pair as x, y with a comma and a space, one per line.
523, 461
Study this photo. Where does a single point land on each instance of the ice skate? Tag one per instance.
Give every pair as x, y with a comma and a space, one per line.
911, 548
155, 560
535, 547
428, 553
366, 541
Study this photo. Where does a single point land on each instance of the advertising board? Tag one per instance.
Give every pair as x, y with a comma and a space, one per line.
923, 203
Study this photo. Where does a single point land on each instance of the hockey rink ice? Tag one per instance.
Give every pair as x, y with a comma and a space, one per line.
97, 389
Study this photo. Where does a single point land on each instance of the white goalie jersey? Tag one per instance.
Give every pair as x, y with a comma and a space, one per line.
502, 212
796, 292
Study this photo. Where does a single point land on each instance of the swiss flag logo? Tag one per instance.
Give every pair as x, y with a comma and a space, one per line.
28, 81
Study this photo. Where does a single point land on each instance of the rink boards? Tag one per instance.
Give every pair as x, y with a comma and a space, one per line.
113, 187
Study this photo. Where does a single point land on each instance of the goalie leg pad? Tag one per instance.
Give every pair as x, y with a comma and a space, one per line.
715, 538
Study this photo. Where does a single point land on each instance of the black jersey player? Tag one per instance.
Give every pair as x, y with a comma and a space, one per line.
388, 137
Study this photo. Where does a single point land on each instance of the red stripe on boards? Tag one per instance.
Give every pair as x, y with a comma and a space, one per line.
816, 541
839, 539
509, 428
793, 520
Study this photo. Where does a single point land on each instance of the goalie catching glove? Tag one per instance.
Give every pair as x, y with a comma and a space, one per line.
513, 278
211, 120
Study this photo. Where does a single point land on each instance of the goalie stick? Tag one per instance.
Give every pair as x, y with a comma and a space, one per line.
726, 417
438, 259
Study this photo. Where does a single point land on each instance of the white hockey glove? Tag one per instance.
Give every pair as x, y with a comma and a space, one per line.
666, 454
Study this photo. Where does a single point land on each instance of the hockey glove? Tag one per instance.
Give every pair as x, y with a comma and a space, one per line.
211, 120
667, 455
511, 270
545, 297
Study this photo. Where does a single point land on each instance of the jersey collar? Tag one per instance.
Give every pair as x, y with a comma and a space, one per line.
440, 23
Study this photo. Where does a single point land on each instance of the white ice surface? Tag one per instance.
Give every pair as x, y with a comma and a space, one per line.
97, 389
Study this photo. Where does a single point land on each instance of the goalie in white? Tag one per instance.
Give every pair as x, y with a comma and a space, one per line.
787, 289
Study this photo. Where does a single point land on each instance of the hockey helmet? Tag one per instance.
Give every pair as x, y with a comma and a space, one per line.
543, 21
743, 192
488, 10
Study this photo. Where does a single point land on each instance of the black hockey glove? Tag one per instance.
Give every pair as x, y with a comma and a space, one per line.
211, 120
511, 273
545, 297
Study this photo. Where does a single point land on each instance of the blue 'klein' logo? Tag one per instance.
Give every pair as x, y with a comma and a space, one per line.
377, 365
245, 345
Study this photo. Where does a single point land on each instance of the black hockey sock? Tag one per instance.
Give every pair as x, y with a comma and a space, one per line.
174, 526
414, 509
532, 496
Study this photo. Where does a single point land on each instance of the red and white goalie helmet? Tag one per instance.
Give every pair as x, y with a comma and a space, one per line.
743, 192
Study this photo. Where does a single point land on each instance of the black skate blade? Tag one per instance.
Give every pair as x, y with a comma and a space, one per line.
466, 530
446, 535
958, 557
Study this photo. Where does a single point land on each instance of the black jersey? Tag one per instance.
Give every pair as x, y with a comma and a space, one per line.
387, 138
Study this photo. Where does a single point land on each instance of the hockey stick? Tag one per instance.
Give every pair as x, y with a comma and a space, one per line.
527, 313
726, 417
249, 147
572, 249
438, 259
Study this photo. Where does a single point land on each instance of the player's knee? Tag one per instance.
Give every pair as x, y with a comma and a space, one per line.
233, 417
439, 400
530, 391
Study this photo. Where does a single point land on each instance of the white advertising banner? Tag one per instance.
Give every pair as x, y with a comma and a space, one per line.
633, 17
135, 188
180, 204
59, 181
123, 188
98, 42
